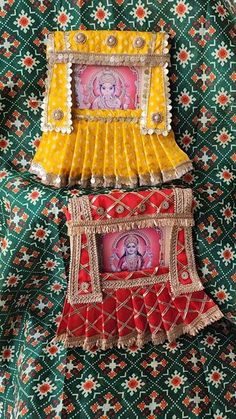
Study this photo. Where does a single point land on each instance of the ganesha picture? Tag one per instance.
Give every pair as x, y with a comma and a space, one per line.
132, 250
103, 87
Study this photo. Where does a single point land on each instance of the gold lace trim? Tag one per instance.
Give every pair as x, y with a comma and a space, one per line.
203, 320
76, 57
150, 179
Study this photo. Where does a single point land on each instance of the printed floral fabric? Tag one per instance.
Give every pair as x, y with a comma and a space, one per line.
192, 377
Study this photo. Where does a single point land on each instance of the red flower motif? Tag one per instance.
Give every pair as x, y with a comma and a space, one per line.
24, 21
63, 18
222, 53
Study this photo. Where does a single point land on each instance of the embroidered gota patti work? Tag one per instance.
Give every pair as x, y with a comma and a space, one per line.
104, 309
94, 138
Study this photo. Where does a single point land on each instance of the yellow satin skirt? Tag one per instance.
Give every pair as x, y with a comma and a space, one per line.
112, 153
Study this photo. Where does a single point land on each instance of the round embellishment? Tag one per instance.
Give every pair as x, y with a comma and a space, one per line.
111, 41
120, 209
156, 117
142, 207
58, 114
100, 210
80, 38
165, 204
184, 275
139, 42
84, 286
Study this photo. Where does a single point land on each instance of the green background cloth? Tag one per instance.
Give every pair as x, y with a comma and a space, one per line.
40, 379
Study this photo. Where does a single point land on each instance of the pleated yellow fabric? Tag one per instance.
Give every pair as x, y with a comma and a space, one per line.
108, 153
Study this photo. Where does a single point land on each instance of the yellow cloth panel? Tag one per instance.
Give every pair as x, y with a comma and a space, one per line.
96, 42
58, 91
157, 98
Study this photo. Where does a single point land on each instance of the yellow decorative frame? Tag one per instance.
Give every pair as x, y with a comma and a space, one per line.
143, 49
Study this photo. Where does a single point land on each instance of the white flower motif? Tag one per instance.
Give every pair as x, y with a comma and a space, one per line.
227, 213
215, 377
181, 9
222, 295
186, 140
34, 196
40, 233
28, 62
227, 254
13, 279
223, 98
224, 137
88, 385
50, 264
5, 144
5, 243
44, 388
101, 14
24, 21
185, 99
33, 103
220, 10
140, 12
175, 381
183, 56
210, 341
226, 175
52, 350
63, 18
172, 346
7, 353
222, 53
133, 384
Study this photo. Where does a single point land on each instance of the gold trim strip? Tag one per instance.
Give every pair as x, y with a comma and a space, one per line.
76, 57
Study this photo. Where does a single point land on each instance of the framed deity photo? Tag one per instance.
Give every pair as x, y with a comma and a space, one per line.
130, 239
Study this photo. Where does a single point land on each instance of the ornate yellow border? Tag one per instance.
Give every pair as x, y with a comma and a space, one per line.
148, 50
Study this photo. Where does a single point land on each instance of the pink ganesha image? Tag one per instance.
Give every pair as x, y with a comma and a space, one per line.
106, 88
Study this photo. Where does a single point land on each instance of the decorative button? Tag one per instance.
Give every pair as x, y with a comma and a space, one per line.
120, 209
100, 210
80, 38
156, 117
184, 275
139, 42
165, 204
142, 207
84, 286
111, 41
58, 114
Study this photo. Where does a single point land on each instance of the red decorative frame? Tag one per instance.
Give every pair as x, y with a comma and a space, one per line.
120, 211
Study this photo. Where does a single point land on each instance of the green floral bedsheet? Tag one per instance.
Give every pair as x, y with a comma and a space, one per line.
194, 377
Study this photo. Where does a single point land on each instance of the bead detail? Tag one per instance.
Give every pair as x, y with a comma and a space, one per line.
156, 117
111, 41
120, 209
84, 286
58, 114
80, 38
100, 210
142, 207
139, 42
184, 275
165, 205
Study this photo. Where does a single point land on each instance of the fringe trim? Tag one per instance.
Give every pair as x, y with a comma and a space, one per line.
119, 224
150, 179
192, 329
